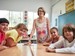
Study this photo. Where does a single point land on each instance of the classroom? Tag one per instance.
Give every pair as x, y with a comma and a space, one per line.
37, 27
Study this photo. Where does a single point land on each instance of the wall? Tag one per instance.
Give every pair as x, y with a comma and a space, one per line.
57, 9
74, 4
53, 2
65, 19
22, 5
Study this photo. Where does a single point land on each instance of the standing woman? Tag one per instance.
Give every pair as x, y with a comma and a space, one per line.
42, 26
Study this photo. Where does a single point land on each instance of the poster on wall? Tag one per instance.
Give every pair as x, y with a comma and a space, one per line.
25, 18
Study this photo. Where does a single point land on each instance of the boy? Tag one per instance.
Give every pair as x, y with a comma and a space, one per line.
3, 28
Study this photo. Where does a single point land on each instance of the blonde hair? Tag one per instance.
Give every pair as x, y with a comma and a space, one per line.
42, 9
21, 25
69, 27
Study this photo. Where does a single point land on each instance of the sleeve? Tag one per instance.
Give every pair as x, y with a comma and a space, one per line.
58, 44
12, 35
66, 50
3, 36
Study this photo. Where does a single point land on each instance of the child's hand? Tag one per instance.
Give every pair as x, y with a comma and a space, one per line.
28, 43
3, 42
46, 44
48, 49
5, 47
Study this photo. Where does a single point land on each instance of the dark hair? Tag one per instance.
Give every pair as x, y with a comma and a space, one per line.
42, 9
54, 28
69, 27
4, 20
21, 25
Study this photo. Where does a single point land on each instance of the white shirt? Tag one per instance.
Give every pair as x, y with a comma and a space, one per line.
68, 47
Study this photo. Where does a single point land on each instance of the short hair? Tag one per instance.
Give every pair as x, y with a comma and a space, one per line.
69, 27
4, 20
21, 25
42, 9
54, 28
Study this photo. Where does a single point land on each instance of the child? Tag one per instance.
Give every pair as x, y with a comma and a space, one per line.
68, 41
15, 35
54, 37
3, 28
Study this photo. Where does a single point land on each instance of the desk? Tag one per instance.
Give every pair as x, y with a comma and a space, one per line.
26, 50
18, 50
39, 50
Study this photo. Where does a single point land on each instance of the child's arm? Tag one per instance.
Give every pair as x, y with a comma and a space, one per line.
55, 45
47, 42
3, 42
2, 47
67, 50
10, 42
48, 49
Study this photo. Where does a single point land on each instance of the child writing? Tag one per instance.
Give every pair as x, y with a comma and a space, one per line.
15, 35
68, 41
3, 28
54, 37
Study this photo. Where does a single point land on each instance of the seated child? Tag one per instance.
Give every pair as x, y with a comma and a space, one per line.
3, 28
15, 35
68, 41
54, 37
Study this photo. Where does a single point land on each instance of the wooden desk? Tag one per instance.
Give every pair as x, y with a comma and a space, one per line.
39, 50
26, 50
18, 50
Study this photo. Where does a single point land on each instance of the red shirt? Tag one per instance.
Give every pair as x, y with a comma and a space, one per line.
2, 37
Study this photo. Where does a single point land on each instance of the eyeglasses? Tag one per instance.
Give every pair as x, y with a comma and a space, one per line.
41, 11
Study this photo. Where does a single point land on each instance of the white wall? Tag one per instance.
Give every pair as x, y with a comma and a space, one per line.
53, 2
60, 6
22, 5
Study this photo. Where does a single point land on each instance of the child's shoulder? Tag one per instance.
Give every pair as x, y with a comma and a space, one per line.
13, 30
60, 36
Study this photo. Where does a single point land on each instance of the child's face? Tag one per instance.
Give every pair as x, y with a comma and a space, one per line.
21, 31
68, 34
54, 33
4, 27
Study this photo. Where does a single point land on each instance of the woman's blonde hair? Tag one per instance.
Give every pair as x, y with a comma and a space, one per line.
42, 9
69, 27
21, 25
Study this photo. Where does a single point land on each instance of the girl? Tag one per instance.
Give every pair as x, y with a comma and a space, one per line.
68, 41
15, 35
54, 37
3, 28
42, 25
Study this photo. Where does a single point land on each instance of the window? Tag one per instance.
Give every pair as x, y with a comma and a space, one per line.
15, 18
4, 14
31, 17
